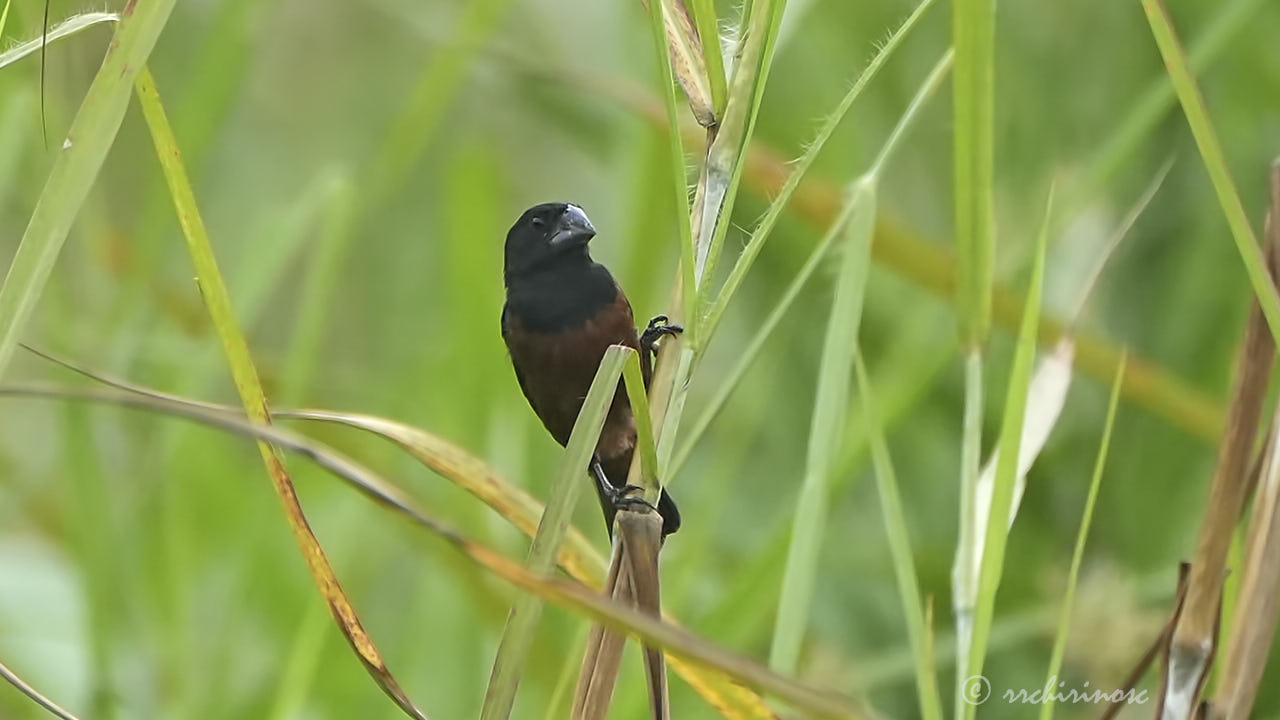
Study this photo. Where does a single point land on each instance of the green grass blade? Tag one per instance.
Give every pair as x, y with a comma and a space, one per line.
930, 86
748, 355
572, 595
997, 534
91, 135
704, 17
1073, 576
522, 623
217, 301
758, 237
722, 170
974, 41
4, 18
1118, 149
964, 581
578, 557
66, 28
679, 184
895, 525
826, 431
751, 352
973, 38
1193, 106
646, 444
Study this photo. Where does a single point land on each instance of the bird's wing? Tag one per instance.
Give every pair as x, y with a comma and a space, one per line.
515, 363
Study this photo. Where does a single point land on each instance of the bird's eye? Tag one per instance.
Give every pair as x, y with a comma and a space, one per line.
538, 222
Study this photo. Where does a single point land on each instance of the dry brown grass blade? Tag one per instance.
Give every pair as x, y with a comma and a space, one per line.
591, 659
217, 302
641, 534
568, 593
1158, 646
577, 556
1254, 625
687, 60
603, 658
35, 695
1194, 638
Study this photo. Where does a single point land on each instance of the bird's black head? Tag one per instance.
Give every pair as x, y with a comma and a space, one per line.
546, 234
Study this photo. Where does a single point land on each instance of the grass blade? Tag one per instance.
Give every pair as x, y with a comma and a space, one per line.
782, 197
1077, 557
1046, 396
895, 525
997, 534
722, 170
566, 593
578, 557
826, 429
973, 37
748, 355
218, 303
91, 135
66, 28
566, 486
22, 686
974, 40
1197, 114
679, 184
1253, 621
688, 57
704, 17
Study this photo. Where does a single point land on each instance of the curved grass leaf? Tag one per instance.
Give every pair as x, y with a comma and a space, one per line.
66, 28
83, 151
570, 594
22, 686
578, 557
218, 303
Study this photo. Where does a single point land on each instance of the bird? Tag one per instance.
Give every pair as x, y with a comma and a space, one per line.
562, 312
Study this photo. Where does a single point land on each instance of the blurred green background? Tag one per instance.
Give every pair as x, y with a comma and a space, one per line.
358, 165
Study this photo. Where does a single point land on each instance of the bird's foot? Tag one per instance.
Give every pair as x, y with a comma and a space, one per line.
658, 328
627, 497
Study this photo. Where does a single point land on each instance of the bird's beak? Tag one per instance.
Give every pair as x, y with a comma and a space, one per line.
573, 228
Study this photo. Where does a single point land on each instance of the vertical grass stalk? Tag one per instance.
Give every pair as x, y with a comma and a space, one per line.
997, 533
522, 623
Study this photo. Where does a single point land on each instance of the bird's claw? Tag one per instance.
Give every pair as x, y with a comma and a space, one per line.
659, 327
628, 498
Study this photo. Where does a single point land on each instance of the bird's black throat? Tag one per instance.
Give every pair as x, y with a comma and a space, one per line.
560, 295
